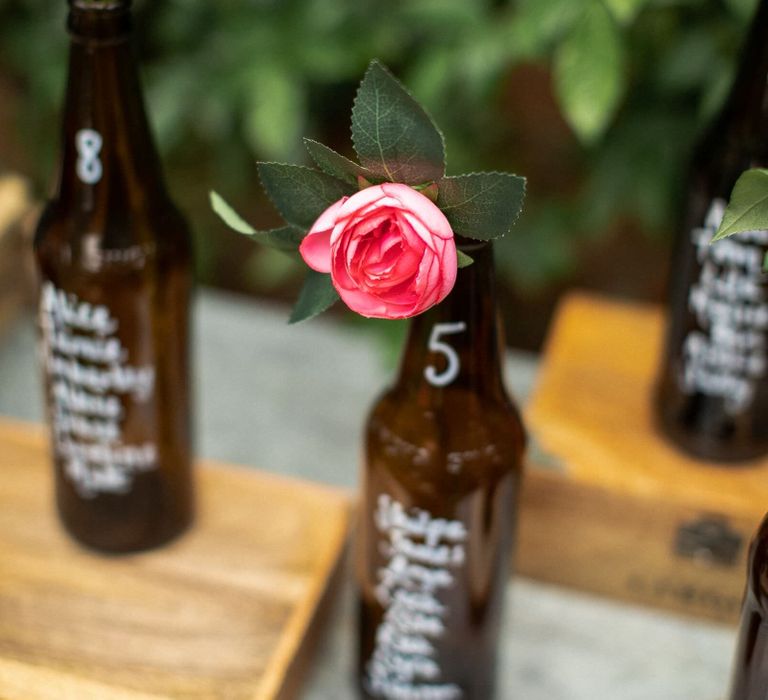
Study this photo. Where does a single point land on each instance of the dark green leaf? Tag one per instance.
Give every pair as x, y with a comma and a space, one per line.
589, 72
286, 239
317, 295
748, 208
464, 260
393, 136
334, 163
481, 205
301, 194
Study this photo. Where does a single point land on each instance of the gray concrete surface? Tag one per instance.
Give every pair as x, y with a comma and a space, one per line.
293, 399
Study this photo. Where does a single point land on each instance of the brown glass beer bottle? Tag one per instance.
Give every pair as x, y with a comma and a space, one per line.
750, 670
443, 461
712, 394
115, 262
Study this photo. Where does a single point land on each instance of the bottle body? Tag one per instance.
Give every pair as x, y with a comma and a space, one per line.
712, 395
712, 392
115, 263
750, 668
443, 462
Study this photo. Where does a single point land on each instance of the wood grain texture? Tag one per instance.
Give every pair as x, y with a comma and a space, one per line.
621, 546
592, 407
221, 613
17, 214
609, 518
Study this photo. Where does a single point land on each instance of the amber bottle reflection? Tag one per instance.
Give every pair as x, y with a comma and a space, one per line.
712, 396
750, 672
443, 461
114, 257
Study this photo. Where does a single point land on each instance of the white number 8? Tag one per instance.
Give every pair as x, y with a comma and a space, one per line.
453, 366
88, 143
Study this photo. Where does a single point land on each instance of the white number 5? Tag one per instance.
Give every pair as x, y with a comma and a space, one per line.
451, 371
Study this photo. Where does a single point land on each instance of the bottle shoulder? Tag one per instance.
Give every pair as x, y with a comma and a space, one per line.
464, 439
111, 238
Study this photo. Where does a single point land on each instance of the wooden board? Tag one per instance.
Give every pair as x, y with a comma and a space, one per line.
17, 212
222, 613
625, 513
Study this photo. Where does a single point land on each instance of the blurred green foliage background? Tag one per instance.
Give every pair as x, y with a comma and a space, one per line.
597, 102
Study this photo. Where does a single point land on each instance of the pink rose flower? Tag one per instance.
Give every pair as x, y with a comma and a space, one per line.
390, 251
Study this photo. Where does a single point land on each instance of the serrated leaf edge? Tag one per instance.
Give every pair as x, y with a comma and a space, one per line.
491, 172
733, 226
291, 165
374, 64
353, 176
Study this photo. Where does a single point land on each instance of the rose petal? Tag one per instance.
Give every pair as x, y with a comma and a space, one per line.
315, 248
316, 251
371, 307
422, 207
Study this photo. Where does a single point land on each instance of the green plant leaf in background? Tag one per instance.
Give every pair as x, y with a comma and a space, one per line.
274, 114
748, 208
482, 206
589, 72
317, 295
286, 239
625, 10
392, 134
334, 163
301, 194
537, 23
744, 9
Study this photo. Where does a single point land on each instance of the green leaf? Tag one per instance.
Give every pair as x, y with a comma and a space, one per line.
537, 23
482, 206
748, 208
317, 295
743, 9
393, 136
624, 11
274, 113
589, 72
301, 194
286, 239
463, 259
334, 163
228, 215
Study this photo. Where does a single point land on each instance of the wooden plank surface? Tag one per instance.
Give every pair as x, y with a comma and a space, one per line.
623, 513
622, 546
17, 215
592, 408
221, 613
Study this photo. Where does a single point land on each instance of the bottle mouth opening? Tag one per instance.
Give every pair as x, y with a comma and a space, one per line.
101, 5
99, 22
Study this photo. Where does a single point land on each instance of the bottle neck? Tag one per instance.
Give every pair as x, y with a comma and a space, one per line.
457, 344
745, 112
109, 155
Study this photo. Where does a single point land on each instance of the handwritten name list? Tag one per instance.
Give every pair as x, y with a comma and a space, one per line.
421, 553
89, 379
726, 354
